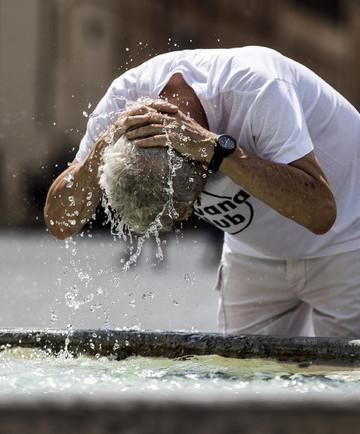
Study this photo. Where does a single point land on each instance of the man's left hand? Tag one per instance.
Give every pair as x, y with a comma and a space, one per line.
178, 130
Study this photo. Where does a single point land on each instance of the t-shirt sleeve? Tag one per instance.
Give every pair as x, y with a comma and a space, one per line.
278, 124
105, 114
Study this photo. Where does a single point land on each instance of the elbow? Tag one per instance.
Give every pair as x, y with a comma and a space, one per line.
58, 234
53, 226
325, 217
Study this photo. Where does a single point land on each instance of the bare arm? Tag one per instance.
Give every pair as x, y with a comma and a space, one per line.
74, 195
298, 191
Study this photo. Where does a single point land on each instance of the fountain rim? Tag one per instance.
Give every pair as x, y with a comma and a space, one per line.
120, 344
194, 412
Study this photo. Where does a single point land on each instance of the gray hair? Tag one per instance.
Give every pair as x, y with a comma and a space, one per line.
141, 184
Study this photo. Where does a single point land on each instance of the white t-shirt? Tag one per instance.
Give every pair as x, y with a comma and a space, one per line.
276, 109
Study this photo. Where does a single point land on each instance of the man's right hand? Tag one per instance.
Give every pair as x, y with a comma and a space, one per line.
124, 124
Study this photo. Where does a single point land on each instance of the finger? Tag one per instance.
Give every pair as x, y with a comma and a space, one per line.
152, 142
142, 108
146, 131
164, 106
145, 119
133, 111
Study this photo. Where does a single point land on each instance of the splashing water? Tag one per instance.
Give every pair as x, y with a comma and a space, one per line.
69, 179
65, 352
118, 226
73, 296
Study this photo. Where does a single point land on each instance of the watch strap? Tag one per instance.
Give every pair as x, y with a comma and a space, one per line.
216, 160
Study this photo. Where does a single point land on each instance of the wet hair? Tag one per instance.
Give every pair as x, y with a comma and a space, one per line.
141, 184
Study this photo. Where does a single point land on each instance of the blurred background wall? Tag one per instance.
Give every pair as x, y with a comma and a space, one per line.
57, 57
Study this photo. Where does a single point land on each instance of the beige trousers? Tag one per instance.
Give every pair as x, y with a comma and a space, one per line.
310, 297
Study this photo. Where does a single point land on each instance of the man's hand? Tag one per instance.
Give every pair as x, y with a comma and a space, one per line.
183, 133
125, 119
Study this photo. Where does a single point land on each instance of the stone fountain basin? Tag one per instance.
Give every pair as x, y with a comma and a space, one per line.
222, 412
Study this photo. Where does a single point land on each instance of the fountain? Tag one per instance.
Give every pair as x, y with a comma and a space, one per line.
247, 411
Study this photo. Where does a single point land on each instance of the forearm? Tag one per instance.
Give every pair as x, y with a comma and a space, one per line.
292, 192
73, 197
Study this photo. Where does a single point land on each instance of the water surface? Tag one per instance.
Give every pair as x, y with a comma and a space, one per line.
28, 371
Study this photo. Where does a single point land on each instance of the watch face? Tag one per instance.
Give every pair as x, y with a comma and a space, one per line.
228, 143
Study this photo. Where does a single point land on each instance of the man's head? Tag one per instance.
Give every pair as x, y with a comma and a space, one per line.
143, 184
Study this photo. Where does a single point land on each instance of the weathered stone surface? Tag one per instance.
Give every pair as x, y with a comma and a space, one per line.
219, 415
122, 343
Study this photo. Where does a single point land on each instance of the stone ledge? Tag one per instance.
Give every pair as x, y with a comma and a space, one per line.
124, 343
173, 416
178, 413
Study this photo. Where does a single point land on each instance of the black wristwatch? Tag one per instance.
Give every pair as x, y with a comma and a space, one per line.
224, 146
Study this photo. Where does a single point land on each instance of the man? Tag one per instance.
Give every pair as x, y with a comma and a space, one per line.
283, 180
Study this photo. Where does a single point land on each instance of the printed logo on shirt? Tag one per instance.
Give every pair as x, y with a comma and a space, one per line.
231, 214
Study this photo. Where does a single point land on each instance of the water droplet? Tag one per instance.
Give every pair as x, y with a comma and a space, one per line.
71, 200
203, 152
69, 179
190, 278
148, 295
